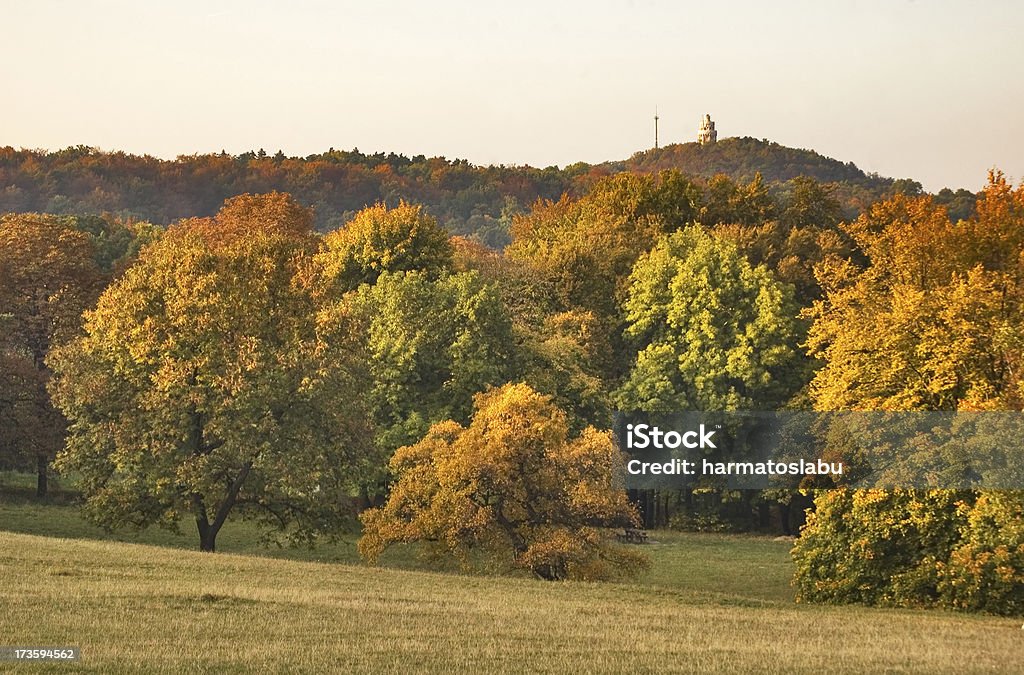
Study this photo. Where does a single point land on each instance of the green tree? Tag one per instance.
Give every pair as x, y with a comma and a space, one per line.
583, 250
558, 353
790, 253
808, 203
209, 383
563, 357
985, 572
512, 486
876, 546
726, 202
959, 204
712, 331
431, 344
116, 242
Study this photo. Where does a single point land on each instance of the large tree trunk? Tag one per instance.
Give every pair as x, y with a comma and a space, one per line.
42, 466
207, 534
208, 541
208, 530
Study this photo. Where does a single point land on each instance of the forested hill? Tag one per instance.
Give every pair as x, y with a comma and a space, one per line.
741, 158
467, 199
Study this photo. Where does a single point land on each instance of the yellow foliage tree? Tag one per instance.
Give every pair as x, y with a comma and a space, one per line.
512, 486
932, 321
380, 240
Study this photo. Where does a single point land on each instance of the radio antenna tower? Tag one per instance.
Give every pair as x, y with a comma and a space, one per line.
655, 127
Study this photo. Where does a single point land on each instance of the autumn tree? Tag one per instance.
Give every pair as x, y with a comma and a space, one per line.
380, 240
209, 383
587, 247
931, 320
512, 486
48, 277
466, 199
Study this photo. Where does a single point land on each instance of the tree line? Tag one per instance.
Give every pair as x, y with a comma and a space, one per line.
468, 200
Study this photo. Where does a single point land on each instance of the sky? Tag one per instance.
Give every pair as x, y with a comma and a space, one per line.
932, 91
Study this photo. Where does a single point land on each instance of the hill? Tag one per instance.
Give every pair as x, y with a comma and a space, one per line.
132, 608
741, 158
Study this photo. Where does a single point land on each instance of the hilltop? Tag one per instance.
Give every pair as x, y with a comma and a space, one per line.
741, 158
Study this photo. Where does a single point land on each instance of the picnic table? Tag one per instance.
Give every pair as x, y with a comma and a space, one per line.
632, 535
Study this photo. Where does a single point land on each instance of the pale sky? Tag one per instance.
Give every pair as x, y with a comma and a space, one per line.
928, 90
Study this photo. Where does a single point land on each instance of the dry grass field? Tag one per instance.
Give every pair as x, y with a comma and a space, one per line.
707, 606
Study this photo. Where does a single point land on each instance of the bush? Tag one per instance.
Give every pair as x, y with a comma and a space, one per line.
877, 547
986, 572
943, 548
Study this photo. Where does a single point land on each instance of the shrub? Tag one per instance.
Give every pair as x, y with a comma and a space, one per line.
877, 546
986, 572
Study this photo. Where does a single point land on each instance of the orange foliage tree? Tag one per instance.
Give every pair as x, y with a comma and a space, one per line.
48, 277
513, 486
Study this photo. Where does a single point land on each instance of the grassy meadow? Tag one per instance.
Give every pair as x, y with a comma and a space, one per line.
144, 602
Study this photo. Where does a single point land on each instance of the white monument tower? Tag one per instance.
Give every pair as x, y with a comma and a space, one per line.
707, 133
